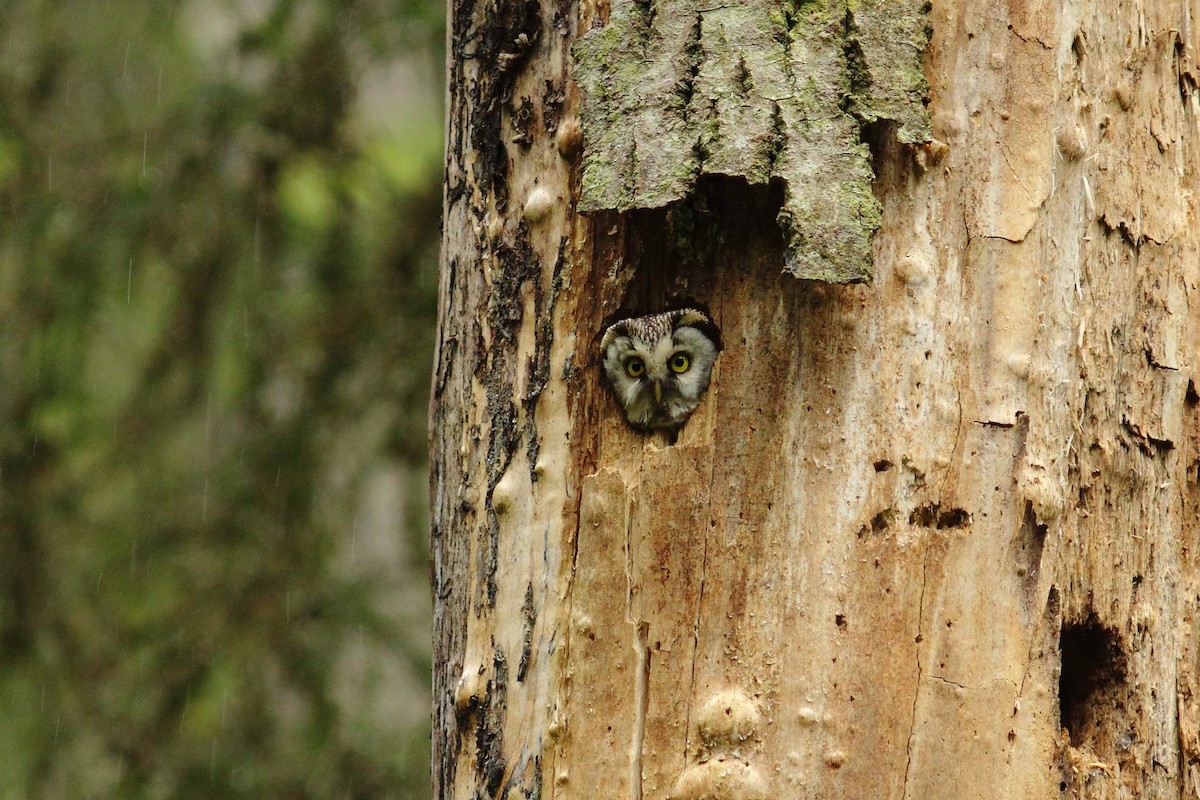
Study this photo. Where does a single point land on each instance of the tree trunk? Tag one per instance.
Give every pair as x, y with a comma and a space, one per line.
929, 537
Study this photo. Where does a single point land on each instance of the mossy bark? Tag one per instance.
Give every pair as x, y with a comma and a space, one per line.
675, 89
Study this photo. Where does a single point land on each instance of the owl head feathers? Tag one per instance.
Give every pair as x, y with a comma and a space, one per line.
659, 366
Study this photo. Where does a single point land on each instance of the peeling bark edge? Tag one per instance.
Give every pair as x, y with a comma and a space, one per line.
673, 91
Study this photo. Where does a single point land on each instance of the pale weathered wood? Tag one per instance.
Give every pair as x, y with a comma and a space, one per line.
933, 537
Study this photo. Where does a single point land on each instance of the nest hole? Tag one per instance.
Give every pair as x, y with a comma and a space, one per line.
1091, 680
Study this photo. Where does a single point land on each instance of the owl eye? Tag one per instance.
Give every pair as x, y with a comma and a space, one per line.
680, 362
635, 367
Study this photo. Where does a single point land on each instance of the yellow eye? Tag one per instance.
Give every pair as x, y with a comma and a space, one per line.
680, 362
635, 367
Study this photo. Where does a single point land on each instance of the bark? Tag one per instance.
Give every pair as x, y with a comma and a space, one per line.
930, 537
768, 91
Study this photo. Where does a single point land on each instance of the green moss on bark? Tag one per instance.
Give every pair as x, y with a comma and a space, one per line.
677, 90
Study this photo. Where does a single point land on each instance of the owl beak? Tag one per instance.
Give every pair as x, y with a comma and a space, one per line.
658, 391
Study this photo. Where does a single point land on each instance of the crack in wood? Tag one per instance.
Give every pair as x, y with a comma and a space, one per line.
641, 705
912, 726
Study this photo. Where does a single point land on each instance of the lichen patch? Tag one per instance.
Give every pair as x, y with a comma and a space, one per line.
674, 90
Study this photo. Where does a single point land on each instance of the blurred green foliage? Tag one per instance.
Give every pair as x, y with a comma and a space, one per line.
217, 286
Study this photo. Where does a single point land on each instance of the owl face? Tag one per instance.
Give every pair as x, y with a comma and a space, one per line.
658, 367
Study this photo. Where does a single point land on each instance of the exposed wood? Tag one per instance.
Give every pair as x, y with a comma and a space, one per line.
930, 537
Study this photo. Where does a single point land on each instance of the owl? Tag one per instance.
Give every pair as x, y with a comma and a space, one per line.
658, 367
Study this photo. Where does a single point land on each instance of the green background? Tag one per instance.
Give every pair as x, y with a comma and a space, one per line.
218, 273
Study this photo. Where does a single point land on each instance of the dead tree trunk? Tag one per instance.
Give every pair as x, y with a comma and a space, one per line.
928, 536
